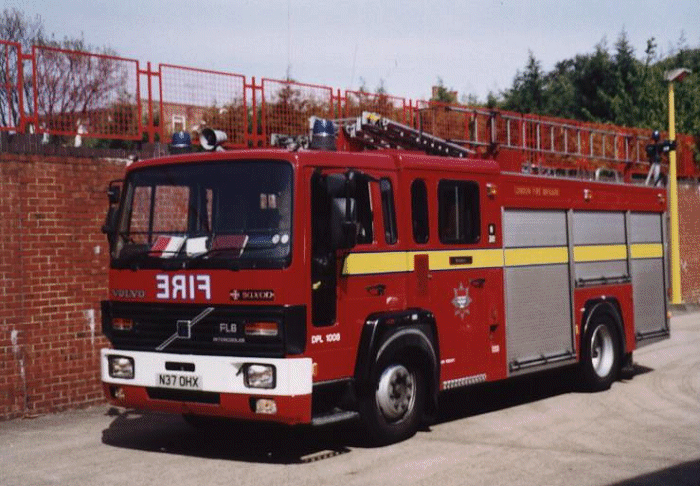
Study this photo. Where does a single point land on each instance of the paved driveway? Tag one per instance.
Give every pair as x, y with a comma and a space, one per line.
531, 431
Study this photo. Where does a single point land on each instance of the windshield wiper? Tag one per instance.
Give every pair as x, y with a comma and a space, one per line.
231, 263
127, 257
132, 257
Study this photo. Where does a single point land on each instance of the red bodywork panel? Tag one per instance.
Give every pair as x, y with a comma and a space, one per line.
621, 295
291, 410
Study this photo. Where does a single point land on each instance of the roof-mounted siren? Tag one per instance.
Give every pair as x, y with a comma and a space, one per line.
323, 134
212, 139
181, 143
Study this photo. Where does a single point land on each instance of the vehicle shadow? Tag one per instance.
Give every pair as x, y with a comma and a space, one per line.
489, 397
685, 474
279, 444
224, 439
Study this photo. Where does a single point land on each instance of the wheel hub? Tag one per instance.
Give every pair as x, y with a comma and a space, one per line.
396, 392
602, 352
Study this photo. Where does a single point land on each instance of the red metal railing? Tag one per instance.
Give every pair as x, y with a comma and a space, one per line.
287, 106
95, 95
100, 95
11, 87
191, 99
394, 107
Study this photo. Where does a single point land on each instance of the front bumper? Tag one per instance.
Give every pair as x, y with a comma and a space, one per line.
221, 390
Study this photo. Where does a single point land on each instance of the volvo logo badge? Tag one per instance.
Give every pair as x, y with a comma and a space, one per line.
184, 328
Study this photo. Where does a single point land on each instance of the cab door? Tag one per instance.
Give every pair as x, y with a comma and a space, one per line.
349, 285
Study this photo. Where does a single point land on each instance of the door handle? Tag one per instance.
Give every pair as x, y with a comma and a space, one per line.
478, 282
377, 289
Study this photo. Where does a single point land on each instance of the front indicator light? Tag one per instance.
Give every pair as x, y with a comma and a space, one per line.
121, 367
266, 406
122, 324
259, 375
265, 329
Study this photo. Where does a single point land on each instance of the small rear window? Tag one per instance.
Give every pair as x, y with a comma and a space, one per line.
458, 212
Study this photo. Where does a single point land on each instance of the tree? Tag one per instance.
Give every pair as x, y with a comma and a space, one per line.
72, 89
470, 99
492, 100
527, 93
443, 95
288, 109
625, 94
558, 91
15, 27
612, 88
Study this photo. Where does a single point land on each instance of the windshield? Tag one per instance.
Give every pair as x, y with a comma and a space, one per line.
231, 214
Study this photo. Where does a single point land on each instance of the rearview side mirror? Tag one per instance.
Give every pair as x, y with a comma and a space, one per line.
341, 189
343, 223
113, 196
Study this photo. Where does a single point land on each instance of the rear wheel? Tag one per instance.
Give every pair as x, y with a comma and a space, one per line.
392, 409
600, 355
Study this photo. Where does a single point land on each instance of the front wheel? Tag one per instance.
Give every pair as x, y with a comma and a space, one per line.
600, 355
393, 408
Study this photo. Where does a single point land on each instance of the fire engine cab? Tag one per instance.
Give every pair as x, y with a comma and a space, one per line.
312, 286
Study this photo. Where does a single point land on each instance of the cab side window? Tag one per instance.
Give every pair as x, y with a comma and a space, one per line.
365, 233
419, 211
388, 211
458, 212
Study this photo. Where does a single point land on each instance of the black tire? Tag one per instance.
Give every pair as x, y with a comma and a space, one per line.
392, 408
600, 354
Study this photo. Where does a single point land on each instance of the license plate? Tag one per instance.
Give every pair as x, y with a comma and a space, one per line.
184, 382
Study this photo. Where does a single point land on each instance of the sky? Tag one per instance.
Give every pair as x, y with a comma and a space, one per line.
475, 47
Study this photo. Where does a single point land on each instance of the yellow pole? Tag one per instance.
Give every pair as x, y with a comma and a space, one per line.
673, 202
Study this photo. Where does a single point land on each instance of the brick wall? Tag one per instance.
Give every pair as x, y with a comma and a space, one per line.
53, 273
689, 241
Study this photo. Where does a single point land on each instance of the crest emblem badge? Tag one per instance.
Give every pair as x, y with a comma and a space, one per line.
461, 301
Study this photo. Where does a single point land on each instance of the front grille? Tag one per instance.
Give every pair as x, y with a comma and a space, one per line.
209, 398
219, 333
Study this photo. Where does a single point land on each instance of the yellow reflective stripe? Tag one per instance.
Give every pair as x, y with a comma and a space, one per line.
440, 260
383, 262
647, 250
599, 253
516, 257
402, 261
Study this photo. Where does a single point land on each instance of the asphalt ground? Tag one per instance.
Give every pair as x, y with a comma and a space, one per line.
537, 430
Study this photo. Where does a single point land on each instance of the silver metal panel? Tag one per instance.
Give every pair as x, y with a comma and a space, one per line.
523, 228
595, 270
538, 312
649, 296
572, 272
646, 227
599, 228
628, 227
544, 365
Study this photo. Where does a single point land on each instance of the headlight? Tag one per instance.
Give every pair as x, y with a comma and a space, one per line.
121, 367
259, 375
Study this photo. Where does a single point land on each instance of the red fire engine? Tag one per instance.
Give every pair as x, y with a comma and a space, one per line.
311, 286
